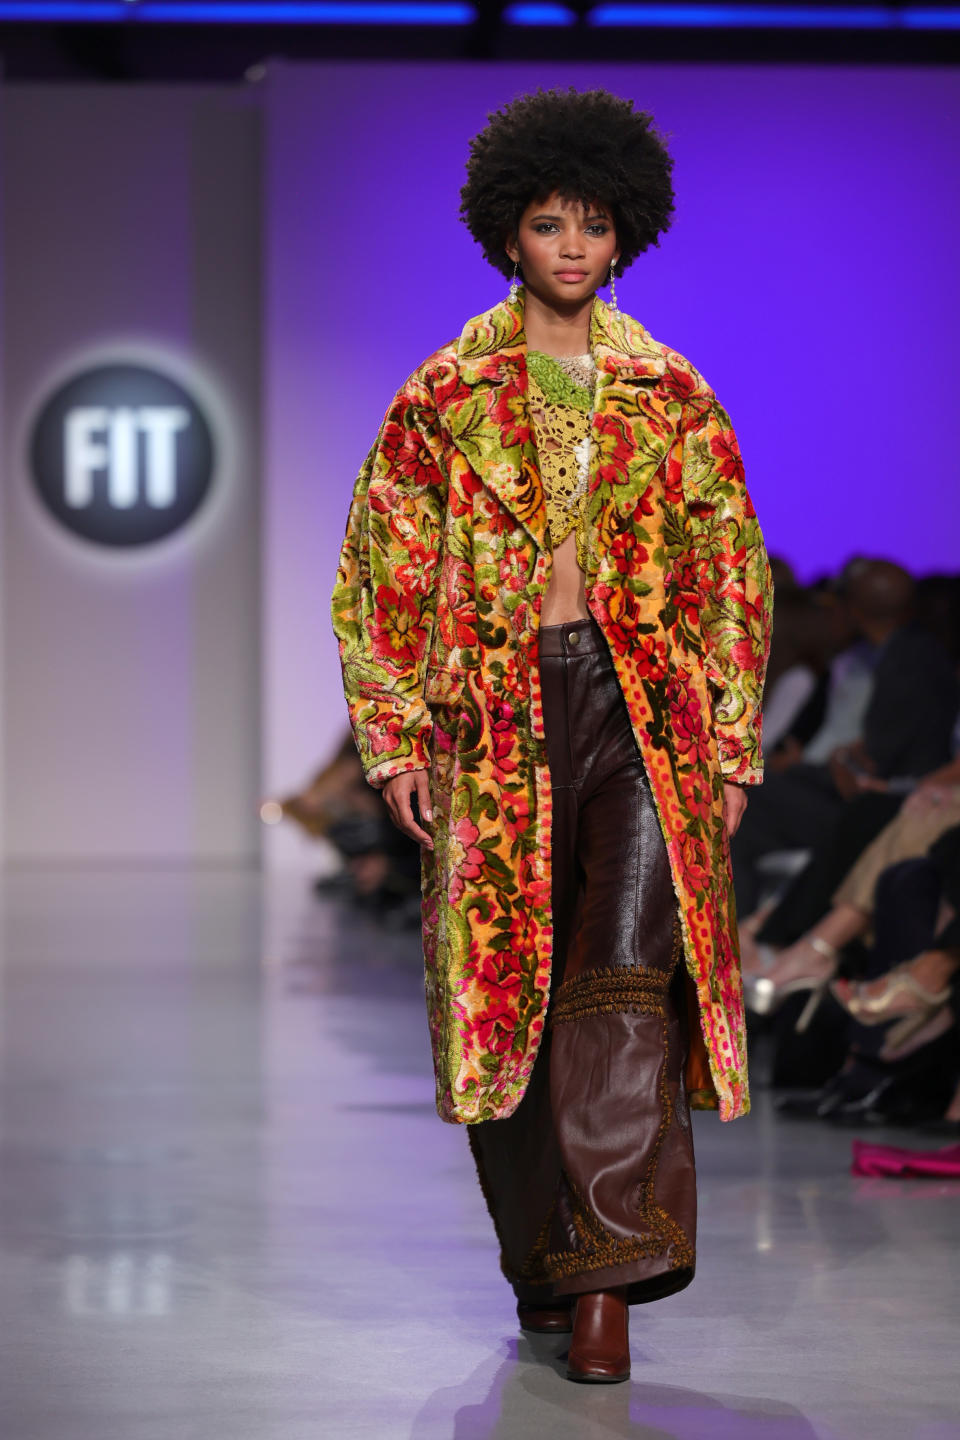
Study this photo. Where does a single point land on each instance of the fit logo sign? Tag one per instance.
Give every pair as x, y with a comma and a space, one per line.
122, 455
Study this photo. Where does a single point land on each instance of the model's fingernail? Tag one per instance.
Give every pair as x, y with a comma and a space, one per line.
428, 814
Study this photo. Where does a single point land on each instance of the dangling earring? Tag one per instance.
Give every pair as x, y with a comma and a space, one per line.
613, 291
515, 283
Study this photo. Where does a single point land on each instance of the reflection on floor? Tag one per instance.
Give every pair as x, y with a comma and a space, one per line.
229, 1212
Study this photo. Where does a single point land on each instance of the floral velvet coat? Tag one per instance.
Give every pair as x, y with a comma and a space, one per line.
436, 608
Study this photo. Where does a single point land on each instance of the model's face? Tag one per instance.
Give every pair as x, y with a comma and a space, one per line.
565, 250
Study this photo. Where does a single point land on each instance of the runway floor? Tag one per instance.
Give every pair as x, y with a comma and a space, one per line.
228, 1211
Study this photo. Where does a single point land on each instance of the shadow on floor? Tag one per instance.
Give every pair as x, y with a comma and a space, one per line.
527, 1394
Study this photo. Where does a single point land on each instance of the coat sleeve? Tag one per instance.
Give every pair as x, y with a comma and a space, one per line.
734, 582
385, 597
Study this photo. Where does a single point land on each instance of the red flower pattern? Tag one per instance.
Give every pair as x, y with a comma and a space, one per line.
627, 554
398, 632
625, 614
445, 544
686, 717
651, 657
501, 970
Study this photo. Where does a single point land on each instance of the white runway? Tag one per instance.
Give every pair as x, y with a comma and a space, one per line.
228, 1211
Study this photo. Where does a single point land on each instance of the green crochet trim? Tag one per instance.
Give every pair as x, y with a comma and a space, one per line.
558, 387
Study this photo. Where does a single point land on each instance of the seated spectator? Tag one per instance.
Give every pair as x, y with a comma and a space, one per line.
890, 711
796, 686
902, 1062
913, 993
381, 866
811, 962
938, 610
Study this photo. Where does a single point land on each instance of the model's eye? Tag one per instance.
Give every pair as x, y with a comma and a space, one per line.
600, 228
543, 226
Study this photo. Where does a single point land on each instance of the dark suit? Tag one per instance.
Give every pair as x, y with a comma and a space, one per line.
913, 706
906, 732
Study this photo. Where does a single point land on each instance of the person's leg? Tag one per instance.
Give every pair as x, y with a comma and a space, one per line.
619, 1110
850, 914
619, 1105
620, 1113
905, 915
816, 953
810, 895
614, 1105
789, 811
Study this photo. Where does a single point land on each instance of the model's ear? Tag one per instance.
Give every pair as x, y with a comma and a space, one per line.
512, 249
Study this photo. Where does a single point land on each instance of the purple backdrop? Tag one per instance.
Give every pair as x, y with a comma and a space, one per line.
811, 274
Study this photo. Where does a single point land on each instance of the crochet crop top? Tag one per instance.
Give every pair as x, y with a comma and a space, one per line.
561, 410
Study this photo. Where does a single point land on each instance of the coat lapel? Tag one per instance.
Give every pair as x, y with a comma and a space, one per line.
487, 417
630, 426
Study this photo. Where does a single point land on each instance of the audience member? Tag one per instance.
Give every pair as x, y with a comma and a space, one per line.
380, 865
811, 961
856, 960
891, 706
902, 1061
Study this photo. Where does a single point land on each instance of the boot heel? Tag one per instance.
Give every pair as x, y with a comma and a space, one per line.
600, 1347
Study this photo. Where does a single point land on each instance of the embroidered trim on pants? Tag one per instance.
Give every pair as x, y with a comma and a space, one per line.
613, 990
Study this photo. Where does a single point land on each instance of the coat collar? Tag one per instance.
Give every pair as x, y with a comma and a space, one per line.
494, 341
486, 419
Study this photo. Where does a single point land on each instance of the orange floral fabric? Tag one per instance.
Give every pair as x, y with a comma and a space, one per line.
436, 608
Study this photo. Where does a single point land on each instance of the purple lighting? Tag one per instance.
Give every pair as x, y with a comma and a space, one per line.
244, 12
810, 275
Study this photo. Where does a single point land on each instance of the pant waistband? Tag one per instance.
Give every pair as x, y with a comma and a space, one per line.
576, 637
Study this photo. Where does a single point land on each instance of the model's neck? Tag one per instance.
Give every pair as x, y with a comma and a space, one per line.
556, 331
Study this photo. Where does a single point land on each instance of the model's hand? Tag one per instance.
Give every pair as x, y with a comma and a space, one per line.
399, 793
734, 804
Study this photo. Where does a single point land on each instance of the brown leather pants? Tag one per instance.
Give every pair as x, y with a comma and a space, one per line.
591, 1182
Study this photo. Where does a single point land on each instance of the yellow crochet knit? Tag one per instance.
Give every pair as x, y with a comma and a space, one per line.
560, 412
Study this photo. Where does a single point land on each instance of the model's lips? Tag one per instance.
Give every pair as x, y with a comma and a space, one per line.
570, 274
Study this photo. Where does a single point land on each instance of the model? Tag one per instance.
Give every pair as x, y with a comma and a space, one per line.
553, 612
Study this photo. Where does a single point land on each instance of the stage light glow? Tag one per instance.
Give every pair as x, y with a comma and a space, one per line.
534, 14
459, 12
746, 17
930, 19
237, 12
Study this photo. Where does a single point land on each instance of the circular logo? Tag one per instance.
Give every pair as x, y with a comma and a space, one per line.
122, 455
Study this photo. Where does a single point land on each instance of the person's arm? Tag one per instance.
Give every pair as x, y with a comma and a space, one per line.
784, 701
385, 597
735, 585
913, 707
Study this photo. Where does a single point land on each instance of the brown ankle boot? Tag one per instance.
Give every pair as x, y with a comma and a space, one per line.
600, 1349
546, 1319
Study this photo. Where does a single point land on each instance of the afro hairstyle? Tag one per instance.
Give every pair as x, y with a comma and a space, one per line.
586, 145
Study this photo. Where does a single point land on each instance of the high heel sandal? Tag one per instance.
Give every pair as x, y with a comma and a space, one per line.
764, 996
879, 1009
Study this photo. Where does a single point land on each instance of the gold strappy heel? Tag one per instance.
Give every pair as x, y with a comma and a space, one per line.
764, 996
881, 1008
